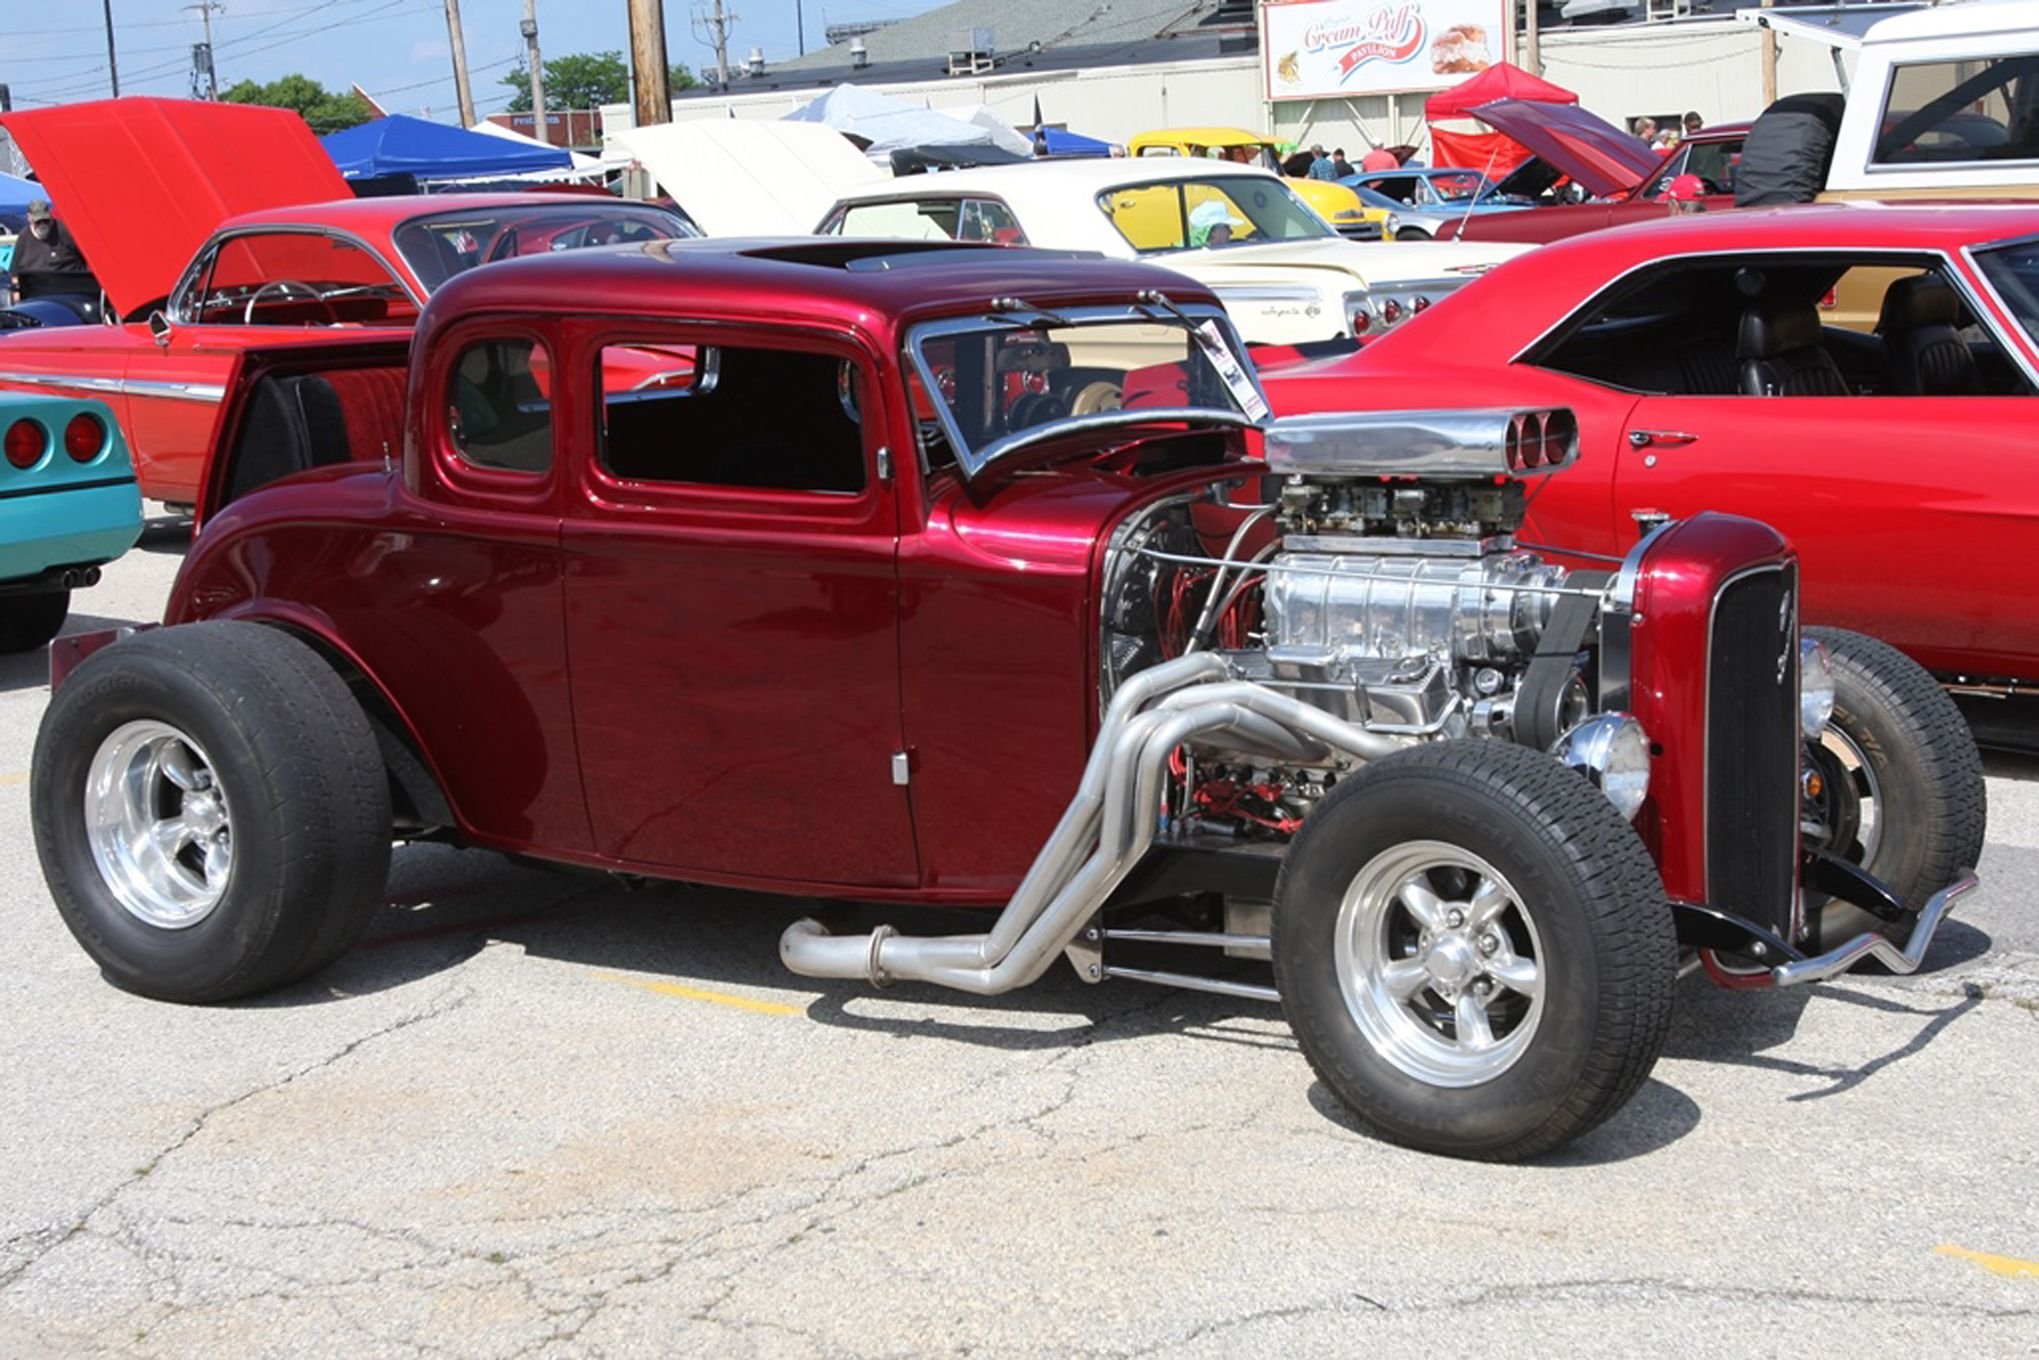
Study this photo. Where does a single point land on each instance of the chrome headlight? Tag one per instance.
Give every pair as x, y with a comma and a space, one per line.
1614, 751
1394, 224
1815, 686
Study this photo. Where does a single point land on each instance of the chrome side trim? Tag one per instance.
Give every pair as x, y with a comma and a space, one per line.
89, 386
174, 391
1879, 947
134, 387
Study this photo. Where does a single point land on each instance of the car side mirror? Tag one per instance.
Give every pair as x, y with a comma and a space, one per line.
159, 328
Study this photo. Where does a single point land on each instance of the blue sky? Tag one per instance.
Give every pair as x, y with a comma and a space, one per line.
396, 49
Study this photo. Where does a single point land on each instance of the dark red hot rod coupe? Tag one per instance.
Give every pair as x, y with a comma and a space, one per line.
935, 574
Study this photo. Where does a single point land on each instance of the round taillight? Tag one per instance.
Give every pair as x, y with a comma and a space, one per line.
26, 443
1391, 311
1362, 320
1419, 303
84, 437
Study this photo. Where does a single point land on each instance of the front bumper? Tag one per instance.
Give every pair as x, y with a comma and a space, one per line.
1872, 945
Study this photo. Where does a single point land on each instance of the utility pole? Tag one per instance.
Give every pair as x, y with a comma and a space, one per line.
800, 23
539, 122
653, 101
205, 11
1769, 61
712, 28
112, 66
459, 45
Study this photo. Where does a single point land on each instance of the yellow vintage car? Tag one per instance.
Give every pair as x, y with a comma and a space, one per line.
1334, 203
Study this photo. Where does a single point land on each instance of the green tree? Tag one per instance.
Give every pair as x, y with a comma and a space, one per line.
326, 110
583, 81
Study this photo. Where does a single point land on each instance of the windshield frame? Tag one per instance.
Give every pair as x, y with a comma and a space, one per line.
1181, 183
2009, 317
402, 238
972, 460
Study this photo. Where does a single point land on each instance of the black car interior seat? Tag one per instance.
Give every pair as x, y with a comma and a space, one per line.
1928, 357
1779, 349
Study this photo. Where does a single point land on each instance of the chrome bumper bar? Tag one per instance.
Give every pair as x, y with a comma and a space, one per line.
1878, 947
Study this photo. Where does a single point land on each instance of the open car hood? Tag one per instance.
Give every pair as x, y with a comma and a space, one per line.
750, 178
141, 183
1599, 156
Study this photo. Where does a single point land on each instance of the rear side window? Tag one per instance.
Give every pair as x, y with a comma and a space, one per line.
1940, 112
768, 419
498, 405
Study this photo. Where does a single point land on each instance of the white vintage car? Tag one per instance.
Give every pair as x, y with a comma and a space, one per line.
1285, 277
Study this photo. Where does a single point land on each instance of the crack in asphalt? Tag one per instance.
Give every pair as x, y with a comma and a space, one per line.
446, 1005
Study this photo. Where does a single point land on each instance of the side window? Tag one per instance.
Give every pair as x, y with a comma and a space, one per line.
298, 279
1954, 111
499, 405
1794, 327
769, 419
931, 220
1159, 151
1150, 217
986, 219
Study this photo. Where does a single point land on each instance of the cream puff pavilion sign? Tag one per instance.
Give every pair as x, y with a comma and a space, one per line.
1329, 49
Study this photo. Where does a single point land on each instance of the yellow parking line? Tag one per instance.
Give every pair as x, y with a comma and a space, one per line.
2009, 1266
10, 780
742, 1003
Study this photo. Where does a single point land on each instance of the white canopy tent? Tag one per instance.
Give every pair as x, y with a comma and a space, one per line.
749, 178
888, 124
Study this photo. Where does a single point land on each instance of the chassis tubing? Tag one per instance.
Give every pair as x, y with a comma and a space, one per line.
1113, 815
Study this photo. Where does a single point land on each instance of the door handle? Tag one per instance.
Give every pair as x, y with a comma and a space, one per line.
1662, 439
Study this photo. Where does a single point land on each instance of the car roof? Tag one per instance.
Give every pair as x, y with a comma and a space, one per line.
1951, 21
1050, 177
853, 284
372, 214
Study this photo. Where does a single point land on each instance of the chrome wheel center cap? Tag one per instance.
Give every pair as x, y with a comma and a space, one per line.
1451, 960
203, 813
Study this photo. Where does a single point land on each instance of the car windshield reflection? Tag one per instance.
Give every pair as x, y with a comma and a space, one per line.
443, 244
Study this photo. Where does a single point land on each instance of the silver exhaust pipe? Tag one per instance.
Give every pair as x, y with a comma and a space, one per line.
1109, 825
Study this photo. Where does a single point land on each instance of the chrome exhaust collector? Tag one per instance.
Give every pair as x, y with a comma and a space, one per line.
1107, 828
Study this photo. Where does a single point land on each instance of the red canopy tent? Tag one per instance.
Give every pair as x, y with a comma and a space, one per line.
1474, 145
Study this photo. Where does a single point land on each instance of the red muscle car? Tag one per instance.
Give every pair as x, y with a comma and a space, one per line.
1702, 358
1627, 181
211, 226
945, 574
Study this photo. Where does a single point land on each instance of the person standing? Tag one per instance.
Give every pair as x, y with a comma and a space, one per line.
1380, 158
46, 253
1646, 129
1320, 164
1693, 122
1340, 167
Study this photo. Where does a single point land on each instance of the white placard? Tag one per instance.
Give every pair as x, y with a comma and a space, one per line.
1330, 49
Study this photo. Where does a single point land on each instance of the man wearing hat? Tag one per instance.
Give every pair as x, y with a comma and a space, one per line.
46, 249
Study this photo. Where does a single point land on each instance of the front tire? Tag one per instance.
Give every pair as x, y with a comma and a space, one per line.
211, 811
1412, 234
1903, 791
1474, 950
30, 621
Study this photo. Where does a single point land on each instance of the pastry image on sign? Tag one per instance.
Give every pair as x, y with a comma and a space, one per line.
1287, 69
1460, 50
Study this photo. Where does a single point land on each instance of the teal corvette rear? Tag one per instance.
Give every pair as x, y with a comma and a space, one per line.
68, 503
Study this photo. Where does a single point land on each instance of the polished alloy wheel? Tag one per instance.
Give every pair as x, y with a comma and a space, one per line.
158, 824
1439, 964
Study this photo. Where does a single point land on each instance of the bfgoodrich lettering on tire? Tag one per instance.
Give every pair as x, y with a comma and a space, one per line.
211, 811
1474, 950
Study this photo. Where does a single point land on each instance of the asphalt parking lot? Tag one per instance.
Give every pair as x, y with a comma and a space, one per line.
537, 1115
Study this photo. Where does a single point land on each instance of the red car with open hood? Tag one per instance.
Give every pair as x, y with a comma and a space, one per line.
211, 226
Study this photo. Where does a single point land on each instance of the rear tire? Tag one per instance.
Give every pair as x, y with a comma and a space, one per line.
1911, 806
30, 621
211, 811
1518, 1006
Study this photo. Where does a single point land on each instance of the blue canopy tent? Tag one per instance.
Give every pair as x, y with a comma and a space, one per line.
17, 194
401, 145
1063, 142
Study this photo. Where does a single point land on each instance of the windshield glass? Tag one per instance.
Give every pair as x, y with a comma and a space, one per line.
1201, 214
2013, 270
1009, 380
443, 244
